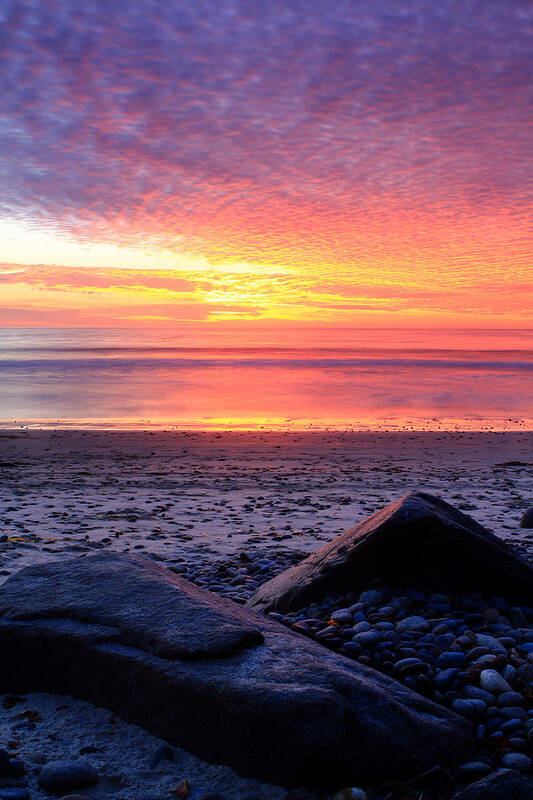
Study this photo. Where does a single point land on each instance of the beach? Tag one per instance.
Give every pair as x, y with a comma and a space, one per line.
191, 499
226, 510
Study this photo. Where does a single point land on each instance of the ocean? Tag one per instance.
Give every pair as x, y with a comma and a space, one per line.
360, 380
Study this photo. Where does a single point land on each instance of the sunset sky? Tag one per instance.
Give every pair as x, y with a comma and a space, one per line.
265, 163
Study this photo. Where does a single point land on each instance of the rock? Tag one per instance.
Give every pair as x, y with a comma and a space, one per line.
413, 624
371, 597
62, 775
470, 707
492, 644
517, 761
209, 675
452, 658
492, 681
472, 771
420, 541
505, 784
527, 518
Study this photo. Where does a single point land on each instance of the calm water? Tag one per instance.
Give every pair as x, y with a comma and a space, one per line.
360, 379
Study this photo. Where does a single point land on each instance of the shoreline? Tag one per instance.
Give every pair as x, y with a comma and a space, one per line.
405, 425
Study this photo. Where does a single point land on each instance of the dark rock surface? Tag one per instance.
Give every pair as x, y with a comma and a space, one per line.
505, 784
420, 541
213, 677
527, 518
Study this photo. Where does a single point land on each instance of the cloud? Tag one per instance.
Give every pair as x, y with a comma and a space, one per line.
168, 119
364, 157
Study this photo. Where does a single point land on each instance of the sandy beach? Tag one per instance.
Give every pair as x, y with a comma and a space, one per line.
227, 511
192, 499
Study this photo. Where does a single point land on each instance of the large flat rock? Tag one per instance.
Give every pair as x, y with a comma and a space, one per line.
418, 541
206, 674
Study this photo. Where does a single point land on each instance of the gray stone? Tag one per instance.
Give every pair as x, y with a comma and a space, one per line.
413, 624
505, 784
492, 681
517, 761
204, 673
472, 771
420, 541
63, 775
492, 644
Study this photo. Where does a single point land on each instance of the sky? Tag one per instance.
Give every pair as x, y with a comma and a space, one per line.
298, 163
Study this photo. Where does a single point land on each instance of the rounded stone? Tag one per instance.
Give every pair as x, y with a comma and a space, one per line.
469, 708
473, 770
343, 616
492, 644
510, 699
371, 598
517, 761
414, 623
492, 681
450, 658
367, 638
63, 775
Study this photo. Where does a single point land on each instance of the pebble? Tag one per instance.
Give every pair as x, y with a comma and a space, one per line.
413, 623
517, 761
469, 708
452, 658
367, 638
64, 775
479, 694
492, 644
371, 597
492, 681
473, 770
343, 616
510, 699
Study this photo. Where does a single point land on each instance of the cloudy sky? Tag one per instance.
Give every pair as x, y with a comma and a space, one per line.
348, 163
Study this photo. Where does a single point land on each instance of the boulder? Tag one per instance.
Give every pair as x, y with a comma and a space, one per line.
418, 541
208, 675
505, 784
